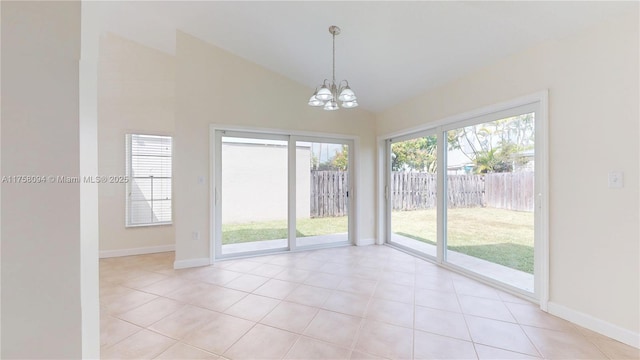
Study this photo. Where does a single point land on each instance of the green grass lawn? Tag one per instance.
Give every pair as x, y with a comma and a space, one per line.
501, 236
271, 230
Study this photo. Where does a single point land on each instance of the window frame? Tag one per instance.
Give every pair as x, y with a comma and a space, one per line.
128, 172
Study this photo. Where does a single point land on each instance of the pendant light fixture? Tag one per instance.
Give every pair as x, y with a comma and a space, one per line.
329, 93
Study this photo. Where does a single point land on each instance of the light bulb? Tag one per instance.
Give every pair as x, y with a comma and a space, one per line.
324, 94
331, 105
347, 94
313, 101
349, 104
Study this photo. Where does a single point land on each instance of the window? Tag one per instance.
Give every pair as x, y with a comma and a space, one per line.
149, 173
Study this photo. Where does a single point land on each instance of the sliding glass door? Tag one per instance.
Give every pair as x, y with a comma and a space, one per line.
322, 193
279, 192
412, 193
490, 203
465, 195
254, 192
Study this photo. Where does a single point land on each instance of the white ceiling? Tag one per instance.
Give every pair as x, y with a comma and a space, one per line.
389, 51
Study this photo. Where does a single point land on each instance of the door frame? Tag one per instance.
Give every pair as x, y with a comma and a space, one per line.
293, 245
215, 157
541, 244
388, 192
218, 195
481, 119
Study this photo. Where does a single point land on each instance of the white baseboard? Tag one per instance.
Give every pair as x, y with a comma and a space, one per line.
365, 242
600, 326
136, 251
189, 263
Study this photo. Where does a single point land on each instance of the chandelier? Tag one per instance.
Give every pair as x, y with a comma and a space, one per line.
330, 93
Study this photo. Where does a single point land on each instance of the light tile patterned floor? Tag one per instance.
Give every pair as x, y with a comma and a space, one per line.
343, 303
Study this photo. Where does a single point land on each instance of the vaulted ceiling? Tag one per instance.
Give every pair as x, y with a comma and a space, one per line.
389, 51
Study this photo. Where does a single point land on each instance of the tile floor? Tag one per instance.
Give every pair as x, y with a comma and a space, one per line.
515, 278
343, 303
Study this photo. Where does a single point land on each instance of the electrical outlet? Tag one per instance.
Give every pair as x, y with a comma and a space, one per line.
616, 179
195, 235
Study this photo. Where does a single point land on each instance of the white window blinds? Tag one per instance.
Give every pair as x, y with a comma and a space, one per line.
149, 187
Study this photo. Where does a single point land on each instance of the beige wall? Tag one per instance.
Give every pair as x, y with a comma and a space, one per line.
135, 95
593, 85
257, 175
41, 291
216, 87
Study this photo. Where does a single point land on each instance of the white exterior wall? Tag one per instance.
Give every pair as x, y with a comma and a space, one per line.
254, 183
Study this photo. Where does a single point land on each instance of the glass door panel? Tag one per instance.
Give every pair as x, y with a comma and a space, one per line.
412, 194
322, 193
490, 199
254, 194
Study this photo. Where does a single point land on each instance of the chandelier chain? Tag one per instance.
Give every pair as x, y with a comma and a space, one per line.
334, 58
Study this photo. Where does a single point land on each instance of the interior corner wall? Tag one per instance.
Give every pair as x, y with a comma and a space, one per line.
216, 87
136, 87
593, 83
41, 267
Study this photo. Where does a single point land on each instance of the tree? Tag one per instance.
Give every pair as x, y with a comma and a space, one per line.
415, 155
315, 163
341, 159
494, 146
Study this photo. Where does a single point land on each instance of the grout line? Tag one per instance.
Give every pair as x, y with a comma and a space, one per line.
310, 321
523, 331
292, 346
126, 337
464, 318
539, 356
239, 338
577, 332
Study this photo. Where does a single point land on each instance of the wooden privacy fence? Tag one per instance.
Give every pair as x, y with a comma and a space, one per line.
512, 191
413, 191
465, 191
329, 193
